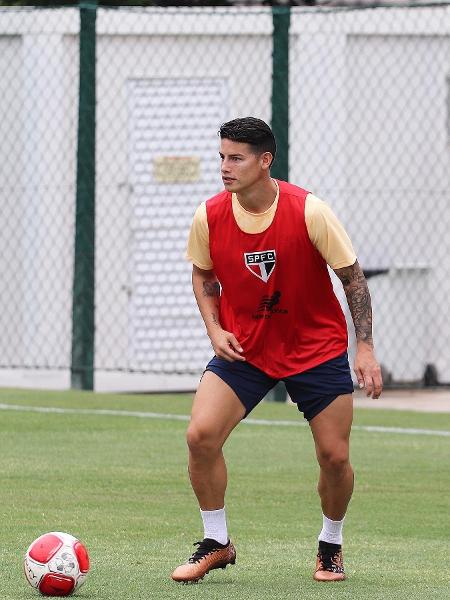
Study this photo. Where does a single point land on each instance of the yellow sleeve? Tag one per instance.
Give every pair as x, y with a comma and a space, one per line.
327, 234
198, 241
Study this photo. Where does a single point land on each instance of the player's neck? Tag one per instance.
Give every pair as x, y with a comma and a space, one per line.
259, 197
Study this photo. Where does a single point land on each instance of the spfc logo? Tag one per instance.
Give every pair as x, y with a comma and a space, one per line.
261, 264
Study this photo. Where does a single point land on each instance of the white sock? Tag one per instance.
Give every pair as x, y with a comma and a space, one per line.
331, 531
215, 525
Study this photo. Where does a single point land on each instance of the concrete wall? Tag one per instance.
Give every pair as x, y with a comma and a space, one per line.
38, 104
368, 135
144, 46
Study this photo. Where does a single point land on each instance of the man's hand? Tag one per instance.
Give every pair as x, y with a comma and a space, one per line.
368, 370
225, 345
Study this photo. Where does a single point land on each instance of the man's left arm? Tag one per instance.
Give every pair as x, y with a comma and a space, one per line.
356, 290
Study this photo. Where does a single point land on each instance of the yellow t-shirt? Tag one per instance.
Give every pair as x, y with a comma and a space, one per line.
324, 229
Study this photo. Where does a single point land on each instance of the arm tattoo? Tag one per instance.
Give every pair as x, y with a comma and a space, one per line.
211, 288
358, 298
214, 319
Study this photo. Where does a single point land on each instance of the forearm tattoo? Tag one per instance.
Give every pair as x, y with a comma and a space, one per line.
211, 288
358, 298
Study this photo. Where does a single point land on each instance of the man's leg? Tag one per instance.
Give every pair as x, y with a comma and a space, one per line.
215, 413
331, 432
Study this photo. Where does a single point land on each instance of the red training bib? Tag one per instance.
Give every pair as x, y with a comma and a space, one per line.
277, 297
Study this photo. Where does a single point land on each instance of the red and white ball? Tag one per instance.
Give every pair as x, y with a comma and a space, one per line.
56, 564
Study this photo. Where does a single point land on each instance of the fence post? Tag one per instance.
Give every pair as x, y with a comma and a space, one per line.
83, 311
281, 18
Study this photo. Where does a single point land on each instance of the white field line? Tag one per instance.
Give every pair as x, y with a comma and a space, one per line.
171, 417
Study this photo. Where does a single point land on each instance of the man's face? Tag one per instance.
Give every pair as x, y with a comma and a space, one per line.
240, 166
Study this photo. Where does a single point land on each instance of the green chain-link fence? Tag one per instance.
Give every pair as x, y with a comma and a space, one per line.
359, 100
38, 117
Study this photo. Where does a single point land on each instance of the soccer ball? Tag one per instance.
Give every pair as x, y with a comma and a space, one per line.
56, 564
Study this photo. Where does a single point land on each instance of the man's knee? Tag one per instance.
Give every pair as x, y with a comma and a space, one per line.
202, 441
334, 458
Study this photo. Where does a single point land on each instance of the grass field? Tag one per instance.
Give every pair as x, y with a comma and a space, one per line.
119, 483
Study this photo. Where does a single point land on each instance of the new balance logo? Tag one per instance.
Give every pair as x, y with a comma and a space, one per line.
261, 264
269, 306
268, 302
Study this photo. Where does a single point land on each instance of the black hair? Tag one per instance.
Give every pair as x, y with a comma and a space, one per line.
252, 131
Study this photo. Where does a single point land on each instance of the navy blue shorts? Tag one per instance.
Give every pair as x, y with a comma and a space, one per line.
312, 390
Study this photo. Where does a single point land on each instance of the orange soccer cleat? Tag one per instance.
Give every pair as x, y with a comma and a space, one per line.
208, 556
329, 565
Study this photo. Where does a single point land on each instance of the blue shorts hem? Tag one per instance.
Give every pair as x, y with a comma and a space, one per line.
311, 390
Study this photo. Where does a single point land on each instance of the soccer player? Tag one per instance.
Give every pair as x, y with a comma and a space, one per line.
260, 250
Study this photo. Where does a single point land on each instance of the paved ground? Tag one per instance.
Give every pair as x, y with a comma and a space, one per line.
433, 400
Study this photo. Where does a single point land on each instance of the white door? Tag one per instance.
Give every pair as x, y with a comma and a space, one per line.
174, 166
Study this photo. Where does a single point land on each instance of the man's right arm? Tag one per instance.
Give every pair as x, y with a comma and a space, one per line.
207, 293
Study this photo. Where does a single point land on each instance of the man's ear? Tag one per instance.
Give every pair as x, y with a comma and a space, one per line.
266, 160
